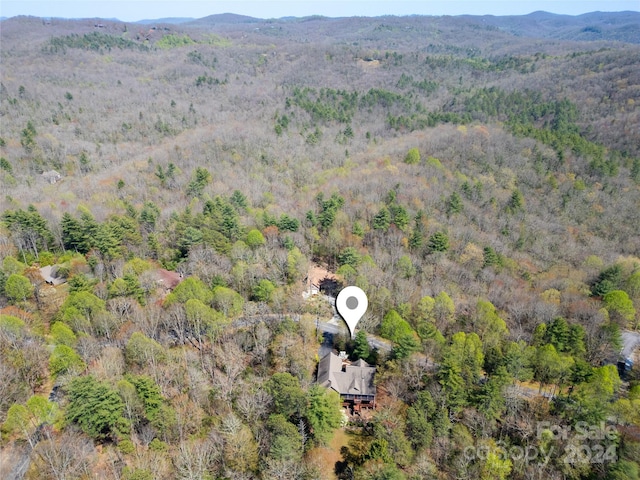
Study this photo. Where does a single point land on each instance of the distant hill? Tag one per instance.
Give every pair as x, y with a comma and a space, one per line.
617, 26
225, 18
594, 26
170, 20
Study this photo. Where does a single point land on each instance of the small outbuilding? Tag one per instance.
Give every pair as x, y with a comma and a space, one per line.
52, 176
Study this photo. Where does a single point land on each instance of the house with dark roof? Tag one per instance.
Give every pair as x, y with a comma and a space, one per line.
352, 380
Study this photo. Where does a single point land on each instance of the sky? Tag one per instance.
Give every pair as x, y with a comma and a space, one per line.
129, 11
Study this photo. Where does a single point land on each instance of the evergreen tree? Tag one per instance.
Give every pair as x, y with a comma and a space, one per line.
95, 407
361, 347
382, 219
399, 216
438, 242
454, 204
199, 180
323, 413
28, 230
516, 202
490, 257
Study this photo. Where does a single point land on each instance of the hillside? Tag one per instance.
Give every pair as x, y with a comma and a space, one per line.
477, 177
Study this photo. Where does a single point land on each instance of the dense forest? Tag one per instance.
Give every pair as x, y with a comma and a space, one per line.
167, 189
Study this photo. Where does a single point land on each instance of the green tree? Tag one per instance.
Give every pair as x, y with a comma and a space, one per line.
444, 311
323, 413
490, 398
11, 265
190, 237
379, 450
228, 301
632, 285
609, 279
424, 311
361, 347
419, 427
417, 235
255, 239
28, 137
382, 219
625, 469
328, 209
263, 290
399, 216
454, 204
18, 288
149, 216
73, 236
438, 242
95, 407
618, 304
517, 357
405, 346
490, 257
297, 265
149, 395
239, 200
394, 327
12, 327
594, 398
5, 165
491, 329
288, 224
286, 441
63, 360
189, 288
497, 465
412, 157
549, 366
81, 309
406, 267
516, 202
349, 256
142, 350
199, 180
202, 321
107, 243
29, 230
461, 368
288, 397
25, 419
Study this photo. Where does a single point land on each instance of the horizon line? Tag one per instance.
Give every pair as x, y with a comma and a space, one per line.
115, 19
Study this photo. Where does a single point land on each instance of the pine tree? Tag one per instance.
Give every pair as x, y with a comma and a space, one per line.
438, 242
361, 347
490, 257
454, 204
382, 220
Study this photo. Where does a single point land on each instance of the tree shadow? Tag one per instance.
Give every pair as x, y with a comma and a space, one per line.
330, 286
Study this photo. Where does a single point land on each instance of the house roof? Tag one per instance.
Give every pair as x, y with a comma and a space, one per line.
50, 275
167, 278
345, 378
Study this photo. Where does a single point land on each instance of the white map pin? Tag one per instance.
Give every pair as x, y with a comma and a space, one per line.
351, 304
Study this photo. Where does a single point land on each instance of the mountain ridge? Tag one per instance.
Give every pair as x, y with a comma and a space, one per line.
593, 26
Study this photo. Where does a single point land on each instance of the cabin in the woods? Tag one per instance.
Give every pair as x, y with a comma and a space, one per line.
320, 280
352, 380
50, 274
51, 176
168, 280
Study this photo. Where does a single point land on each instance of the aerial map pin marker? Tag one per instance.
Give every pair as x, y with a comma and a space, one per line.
351, 304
